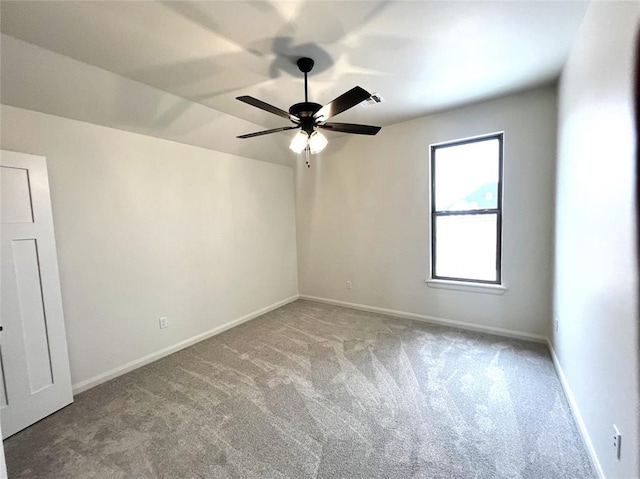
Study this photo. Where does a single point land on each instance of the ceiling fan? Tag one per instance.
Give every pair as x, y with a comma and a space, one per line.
309, 117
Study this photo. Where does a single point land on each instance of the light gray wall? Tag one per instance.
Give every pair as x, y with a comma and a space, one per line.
147, 228
363, 215
596, 286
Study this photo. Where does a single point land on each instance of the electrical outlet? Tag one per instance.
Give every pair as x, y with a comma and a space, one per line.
163, 322
348, 284
617, 441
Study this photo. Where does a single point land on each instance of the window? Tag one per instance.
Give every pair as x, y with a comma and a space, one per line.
466, 210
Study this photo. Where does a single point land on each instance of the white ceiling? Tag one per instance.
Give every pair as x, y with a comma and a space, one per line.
421, 57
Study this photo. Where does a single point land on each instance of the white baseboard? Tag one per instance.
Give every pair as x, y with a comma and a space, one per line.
431, 319
575, 410
130, 366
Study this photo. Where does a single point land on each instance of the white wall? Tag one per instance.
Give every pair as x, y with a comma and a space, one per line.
596, 287
363, 215
147, 228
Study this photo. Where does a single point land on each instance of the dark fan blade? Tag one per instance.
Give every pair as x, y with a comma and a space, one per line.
266, 132
343, 102
266, 107
352, 128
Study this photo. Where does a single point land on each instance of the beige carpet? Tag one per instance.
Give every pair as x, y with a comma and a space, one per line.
316, 391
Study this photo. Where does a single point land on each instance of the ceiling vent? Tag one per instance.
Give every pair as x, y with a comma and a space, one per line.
372, 100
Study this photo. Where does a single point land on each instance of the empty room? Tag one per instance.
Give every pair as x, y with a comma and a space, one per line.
319, 239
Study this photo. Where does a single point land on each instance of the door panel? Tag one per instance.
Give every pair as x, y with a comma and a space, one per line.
34, 364
16, 196
31, 310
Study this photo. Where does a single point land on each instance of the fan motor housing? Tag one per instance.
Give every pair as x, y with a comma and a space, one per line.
305, 112
304, 109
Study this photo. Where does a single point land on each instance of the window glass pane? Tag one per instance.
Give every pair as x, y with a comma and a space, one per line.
466, 176
466, 247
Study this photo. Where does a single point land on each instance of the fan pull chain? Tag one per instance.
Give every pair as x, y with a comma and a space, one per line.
308, 158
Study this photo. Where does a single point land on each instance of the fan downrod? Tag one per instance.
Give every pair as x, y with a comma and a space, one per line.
305, 64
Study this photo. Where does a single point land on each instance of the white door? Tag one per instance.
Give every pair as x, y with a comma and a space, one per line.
34, 363
3, 463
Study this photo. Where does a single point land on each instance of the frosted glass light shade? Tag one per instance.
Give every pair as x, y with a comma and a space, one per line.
299, 142
317, 142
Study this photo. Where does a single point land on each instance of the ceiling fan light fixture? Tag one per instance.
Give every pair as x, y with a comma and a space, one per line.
299, 142
317, 142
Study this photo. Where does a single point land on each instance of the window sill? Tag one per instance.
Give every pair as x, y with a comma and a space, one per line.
469, 287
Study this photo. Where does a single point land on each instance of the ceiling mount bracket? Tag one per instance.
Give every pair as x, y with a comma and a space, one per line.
305, 64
